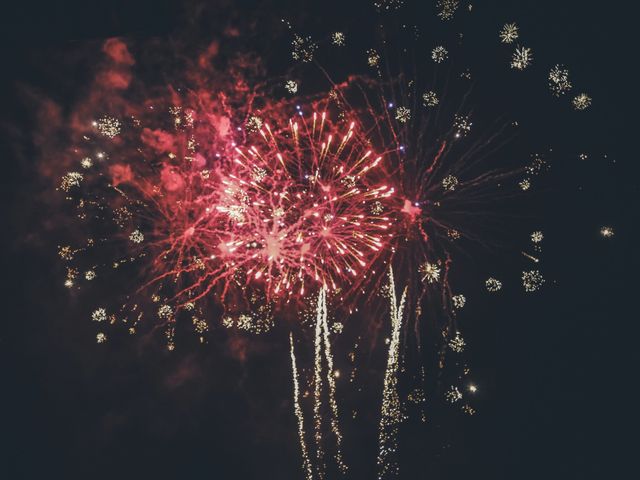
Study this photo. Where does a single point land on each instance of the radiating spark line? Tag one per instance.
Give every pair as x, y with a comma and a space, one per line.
335, 426
317, 385
390, 414
306, 462
322, 337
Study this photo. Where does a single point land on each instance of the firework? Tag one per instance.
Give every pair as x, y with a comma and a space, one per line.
493, 285
522, 58
447, 8
430, 272
537, 236
581, 101
430, 99
559, 83
532, 280
606, 232
338, 39
291, 86
457, 343
439, 54
305, 218
303, 48
259, 202
453, 395
509, 33
403, 114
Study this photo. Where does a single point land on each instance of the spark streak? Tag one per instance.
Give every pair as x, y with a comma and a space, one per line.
306, 462
391, 414
322, 338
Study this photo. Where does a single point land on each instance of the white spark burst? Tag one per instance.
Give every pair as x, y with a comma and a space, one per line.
509, 33
493, 284
559, 82
439, 54
581, 101
522, 58
532, 280
430, 99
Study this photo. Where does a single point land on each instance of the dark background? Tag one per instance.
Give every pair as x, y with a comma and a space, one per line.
557, 387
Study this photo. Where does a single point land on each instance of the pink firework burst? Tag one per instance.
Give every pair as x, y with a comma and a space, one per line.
303, 208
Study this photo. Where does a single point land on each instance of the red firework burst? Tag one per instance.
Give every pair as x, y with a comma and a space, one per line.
304, 208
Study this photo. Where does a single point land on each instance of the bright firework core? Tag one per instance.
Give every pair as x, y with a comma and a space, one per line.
303, 207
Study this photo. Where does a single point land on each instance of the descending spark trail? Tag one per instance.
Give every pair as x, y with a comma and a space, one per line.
317, 384
322, 338
306, 462
335, 426
391, 414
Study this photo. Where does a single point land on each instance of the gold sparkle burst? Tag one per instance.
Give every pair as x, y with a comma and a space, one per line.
521, 58
581, 101
439, 54
291, 86
509, 33
71, 180
532, 280
559, 82
430, 272
303, 48
607, 232
493, 284
450, 182
108, 126
447, 8
430, 99
403, 114
136, 236
338, 39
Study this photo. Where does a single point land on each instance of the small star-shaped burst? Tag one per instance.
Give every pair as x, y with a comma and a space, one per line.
450, 182
522, 58
303, 48
291, 86
373, 58
430, 272
606, 232
493, 285
338, 39
559, 83
136, 236
509, 33
581, 102
439, 54
430, 99
403, 114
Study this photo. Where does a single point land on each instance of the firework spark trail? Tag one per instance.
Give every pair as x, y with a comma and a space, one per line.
306, 462
390, 414
322, 337
317, 382
335, 426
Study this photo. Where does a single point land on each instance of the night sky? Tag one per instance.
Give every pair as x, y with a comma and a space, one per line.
556, 395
